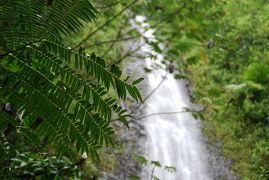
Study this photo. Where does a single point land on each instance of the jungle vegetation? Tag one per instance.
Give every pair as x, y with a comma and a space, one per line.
60, 84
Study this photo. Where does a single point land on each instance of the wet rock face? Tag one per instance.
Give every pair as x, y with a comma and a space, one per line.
131, 139
126, 166
220, 165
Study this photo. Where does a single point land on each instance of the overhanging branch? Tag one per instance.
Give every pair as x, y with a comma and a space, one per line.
170, 113
105, 24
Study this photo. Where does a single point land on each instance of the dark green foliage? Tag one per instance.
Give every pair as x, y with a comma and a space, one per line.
28, 166
64, 96
152, 164
258, 73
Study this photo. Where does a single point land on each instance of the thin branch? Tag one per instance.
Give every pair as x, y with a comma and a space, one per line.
117, 36
129, 31
146, 98
160, 113
152, 173
105, 24
170, 113
132, 29
149, 95
111, 41
155, 89
18, 49
130, 52
169, 15
138, 56
9, 52
160, 21
108, 6
116, 40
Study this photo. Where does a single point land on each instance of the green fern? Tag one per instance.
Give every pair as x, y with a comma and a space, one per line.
47, 82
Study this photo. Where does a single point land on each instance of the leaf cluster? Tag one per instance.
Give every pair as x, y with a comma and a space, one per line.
63, 96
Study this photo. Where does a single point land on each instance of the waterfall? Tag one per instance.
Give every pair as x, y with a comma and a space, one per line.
172, 139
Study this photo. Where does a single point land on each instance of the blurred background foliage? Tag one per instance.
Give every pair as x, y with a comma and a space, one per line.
220, 46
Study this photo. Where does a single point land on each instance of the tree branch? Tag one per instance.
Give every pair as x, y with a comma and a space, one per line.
130, 52
108, 6
172, 112
160, 113
117, 36
111, 41
105, 24
149, 95
20, 48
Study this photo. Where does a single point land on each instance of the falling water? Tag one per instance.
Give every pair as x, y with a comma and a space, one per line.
172, 139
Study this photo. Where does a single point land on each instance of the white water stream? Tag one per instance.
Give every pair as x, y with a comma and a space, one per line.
174, 139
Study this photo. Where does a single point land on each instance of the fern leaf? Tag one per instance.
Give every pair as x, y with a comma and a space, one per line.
75, 82
69, 20
82, 110
96, 67
41, 77
49, 110
9, 33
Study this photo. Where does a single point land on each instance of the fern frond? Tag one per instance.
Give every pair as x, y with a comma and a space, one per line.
8, 33
34, 17
100, 129
96, 67
40, 77
32, 20
91, 92
61, 122
69, 19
